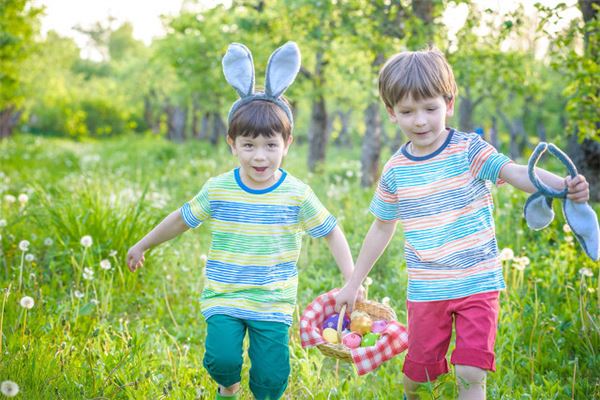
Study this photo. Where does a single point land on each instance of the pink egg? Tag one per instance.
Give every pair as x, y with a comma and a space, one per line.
379, 326
352, 340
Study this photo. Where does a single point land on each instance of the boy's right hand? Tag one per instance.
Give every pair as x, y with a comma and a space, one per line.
135, 257
347, 295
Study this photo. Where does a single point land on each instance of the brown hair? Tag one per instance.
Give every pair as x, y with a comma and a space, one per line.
419, 74
260, 117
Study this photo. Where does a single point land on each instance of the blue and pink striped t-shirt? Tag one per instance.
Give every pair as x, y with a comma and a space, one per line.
444, 204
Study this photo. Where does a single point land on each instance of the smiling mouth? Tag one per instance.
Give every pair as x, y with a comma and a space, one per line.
260, 169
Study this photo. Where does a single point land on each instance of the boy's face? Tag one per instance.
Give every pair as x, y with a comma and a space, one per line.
423, 122
260, 158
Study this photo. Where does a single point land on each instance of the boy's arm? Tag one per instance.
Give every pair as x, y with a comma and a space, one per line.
518, 176
172, 226
375, 242
338, 245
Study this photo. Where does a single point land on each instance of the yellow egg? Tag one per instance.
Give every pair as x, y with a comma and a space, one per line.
361, 325
330, 335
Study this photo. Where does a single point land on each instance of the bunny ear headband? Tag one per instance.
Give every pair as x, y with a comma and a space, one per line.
282, 69
580, 216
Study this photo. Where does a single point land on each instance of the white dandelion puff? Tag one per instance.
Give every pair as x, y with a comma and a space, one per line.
9, 198
29, 257
48, 242
78, 294
95, 302
24, 245
2, 223
368, 281
113, 253
569, 239
203, 258
9, 388
507, 254
385, 301
586, 272
105, 265
27, 302
86, 241
567, 228
23, 198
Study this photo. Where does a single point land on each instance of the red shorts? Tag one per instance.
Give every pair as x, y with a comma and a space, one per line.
430, 330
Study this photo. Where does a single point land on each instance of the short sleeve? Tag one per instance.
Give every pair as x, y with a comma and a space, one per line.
385, 204
197, 210
314, 217
484, 161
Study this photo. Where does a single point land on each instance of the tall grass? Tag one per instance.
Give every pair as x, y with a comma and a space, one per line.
97, 333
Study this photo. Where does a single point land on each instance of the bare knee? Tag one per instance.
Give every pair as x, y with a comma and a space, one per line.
410, 388
466, 374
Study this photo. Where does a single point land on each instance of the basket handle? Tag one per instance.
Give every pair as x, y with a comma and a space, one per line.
340, 323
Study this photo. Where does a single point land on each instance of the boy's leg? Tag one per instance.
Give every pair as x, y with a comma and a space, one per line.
270, 356
410, 388
223, 356
476, 319
429, 333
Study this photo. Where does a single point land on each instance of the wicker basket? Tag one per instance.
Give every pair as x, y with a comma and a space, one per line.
376, 311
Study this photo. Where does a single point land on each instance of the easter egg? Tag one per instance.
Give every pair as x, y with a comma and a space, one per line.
352, 340
379, 326
330, 335
369, 339
361, 325
332, 321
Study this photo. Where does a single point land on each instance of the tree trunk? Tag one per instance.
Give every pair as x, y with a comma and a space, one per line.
586, 156
218, 128
465, 112
343, 139
494, 133
195, 128
176, 117
541, 130
398, 140
371, 146
514, 134
203, 133
152, 120
9, 117
317, 133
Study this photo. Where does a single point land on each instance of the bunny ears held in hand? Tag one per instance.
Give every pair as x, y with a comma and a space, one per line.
580, 216
282, 69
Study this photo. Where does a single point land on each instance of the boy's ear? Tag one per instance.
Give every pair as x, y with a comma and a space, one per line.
287, 145
450, 107
391, 113
231, 144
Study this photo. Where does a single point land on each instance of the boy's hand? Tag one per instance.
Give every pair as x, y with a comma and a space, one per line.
135, 258
347, 295
579, 189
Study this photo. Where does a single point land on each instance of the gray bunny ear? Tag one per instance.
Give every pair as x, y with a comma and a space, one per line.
239, 69
282, 69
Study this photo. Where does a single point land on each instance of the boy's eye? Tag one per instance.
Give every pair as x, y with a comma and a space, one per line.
247, 145
404, 112
272, 145
432, 109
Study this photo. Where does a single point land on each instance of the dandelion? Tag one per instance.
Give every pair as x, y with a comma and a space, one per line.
95, 302
105, 265
368, 281
203, 258
78, 294
569, 239
88, 274
23, 199
9, 198
48, 242
27, 302
567, 228
29, 257
113, 253
586, 272
24, 245
9, 388
2, 223
385, 301
349, 173
86, 241
507, 254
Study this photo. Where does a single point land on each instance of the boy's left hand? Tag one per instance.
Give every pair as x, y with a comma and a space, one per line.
579, 189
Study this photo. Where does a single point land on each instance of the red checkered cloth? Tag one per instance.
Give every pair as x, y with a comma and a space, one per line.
393, 340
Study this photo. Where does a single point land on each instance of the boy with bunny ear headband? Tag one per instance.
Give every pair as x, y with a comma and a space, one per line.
257, 215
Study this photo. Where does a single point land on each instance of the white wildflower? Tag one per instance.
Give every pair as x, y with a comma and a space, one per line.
385, 301
9, 388
24, 245
23, 199
78, 294
9, 198
27, 302
349, 173
567, 228
569, 239
113, 253
203, 258
86, 241
507, 254
29, 257
88, 274
95, 302
2, 223
48, 242
586, 272
368, 281
524, 260
105, 265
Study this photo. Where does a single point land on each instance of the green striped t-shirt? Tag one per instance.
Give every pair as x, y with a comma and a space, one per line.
255, 243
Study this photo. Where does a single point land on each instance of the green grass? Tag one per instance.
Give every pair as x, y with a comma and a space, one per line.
140, 336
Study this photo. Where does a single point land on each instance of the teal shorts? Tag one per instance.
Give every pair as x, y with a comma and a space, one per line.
268, 351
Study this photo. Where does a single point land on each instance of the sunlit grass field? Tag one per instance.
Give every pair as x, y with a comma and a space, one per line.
96, 331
